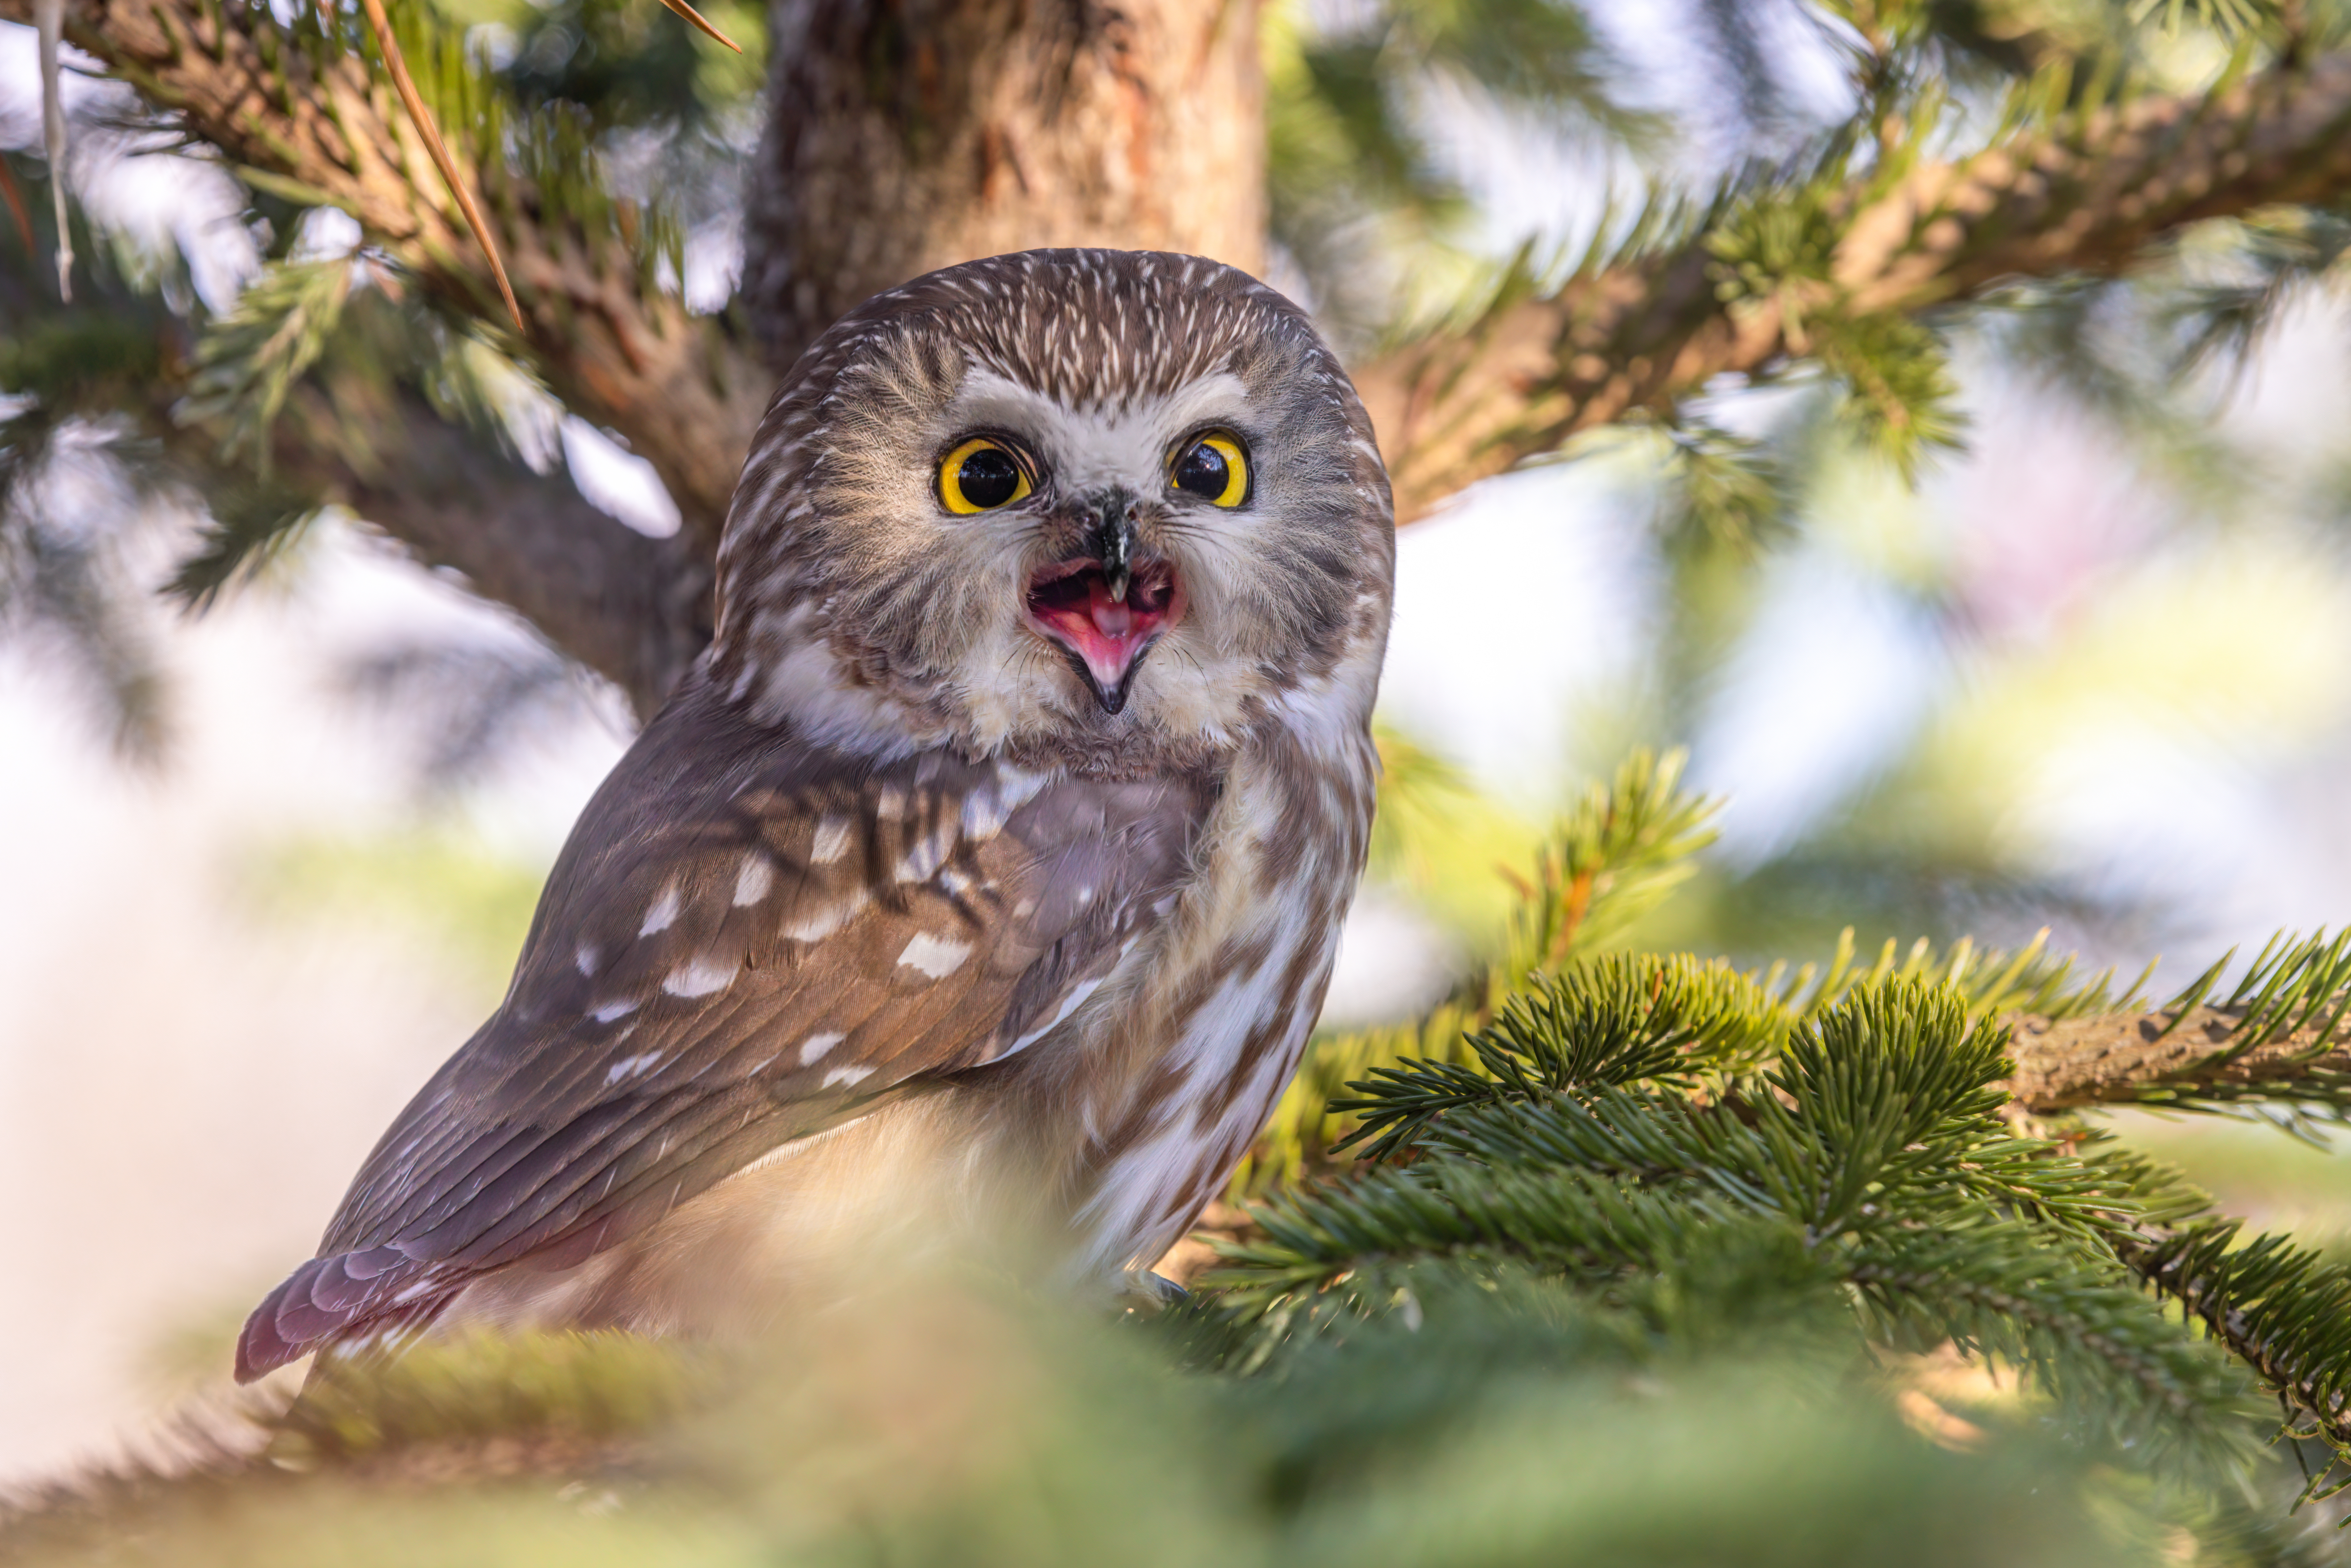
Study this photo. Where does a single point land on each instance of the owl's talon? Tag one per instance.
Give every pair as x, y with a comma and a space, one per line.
1149, 1293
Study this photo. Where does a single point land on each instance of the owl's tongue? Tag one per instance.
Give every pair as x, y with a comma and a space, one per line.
1072, 602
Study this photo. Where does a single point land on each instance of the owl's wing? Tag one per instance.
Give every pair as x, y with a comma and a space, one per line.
739, 946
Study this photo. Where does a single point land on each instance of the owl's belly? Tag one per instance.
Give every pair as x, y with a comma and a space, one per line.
1229, 1032
895, 1189
959, 1168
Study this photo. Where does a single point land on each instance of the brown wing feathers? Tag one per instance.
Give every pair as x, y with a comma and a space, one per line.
743, 940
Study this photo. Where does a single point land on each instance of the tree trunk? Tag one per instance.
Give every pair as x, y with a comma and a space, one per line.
906, 135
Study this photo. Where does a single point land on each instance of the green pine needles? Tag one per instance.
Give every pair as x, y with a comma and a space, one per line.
1625, 1130
1858, 1152
1616, 1256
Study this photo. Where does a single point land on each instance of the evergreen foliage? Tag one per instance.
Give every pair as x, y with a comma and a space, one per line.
551, 126
1517, 1268
1620, 1118
1647, 1203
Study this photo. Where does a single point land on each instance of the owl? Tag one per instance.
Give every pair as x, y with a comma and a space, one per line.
989, 865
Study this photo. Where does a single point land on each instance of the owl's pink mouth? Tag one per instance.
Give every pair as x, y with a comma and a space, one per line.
1106, 637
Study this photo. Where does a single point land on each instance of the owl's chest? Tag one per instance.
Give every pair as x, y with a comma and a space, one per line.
1221, 1012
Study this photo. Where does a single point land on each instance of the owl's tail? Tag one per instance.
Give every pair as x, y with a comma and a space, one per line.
379, 1292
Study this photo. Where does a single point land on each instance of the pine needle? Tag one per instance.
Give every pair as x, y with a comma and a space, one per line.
421, 119
699, 20
49, 18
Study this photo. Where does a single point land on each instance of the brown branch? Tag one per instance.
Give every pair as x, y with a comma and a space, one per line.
2086, 197
2156, 1260
617, 349
634, 610
2128, 1058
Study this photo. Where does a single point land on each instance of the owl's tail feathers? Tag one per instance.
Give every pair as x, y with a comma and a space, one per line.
337, 1298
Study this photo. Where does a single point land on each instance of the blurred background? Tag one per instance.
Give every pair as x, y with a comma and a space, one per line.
262, 868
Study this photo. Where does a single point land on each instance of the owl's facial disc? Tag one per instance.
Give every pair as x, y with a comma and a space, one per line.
1104, 610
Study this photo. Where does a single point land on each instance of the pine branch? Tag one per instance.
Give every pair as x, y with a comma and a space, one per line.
1619, 1018
634, 610
351, 428
248, 360
306, 118
2085, 195
2084, 1333
1614, 856
2282, 1310
2278, 1040
1872, 1158
1621, 849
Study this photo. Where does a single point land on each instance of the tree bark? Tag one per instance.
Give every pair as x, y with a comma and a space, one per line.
2140, 1059
906, 135
634, 610
2086, 197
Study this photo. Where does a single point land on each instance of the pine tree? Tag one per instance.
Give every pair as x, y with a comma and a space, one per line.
1643, 1255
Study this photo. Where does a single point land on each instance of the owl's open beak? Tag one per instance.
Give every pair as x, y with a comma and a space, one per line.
1105, 611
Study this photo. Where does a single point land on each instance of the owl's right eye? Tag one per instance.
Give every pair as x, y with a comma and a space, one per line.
981, 474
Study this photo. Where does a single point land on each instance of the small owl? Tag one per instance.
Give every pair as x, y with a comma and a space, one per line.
990, 865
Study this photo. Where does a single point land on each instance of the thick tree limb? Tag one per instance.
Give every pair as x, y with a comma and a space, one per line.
634, 610
2086, 198
610, 345
2128, 1058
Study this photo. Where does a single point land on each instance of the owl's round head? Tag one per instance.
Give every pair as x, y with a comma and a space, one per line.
1108, 509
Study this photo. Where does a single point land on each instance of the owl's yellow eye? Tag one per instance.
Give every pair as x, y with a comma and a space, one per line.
1213, 468
981, 474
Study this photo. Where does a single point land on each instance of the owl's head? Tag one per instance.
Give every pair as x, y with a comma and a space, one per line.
1102, 509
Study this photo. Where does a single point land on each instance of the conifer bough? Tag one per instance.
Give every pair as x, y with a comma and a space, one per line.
1626, 1124
1830, 262
2083, 195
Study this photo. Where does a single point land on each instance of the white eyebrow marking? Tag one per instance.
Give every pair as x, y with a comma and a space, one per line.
701, 977
831, 840
751, 883
937, 956
662, 914
845, 1073
816, 1045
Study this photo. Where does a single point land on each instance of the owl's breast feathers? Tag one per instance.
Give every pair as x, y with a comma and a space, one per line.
1219, 1022
743, 944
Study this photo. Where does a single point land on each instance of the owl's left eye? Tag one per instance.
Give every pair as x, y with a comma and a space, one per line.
981, 474
1214, 468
